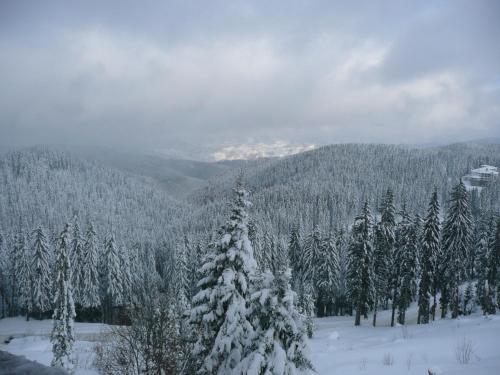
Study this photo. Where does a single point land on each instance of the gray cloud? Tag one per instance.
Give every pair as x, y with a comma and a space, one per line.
151, 73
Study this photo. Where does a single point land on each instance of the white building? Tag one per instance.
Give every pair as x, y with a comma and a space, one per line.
480, 177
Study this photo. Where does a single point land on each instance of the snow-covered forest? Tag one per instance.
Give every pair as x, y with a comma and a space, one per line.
208, 282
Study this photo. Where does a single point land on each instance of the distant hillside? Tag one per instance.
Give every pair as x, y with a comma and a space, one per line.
48, 187
151, 199
175, 176
337, 179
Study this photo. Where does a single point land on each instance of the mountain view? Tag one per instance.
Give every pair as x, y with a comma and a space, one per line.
249, 188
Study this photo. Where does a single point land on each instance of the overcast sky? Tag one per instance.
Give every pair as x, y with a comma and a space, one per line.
149, 73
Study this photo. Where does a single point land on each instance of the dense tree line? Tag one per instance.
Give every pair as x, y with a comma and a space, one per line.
395, 259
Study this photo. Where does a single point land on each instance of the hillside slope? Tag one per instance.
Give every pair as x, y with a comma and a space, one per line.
334, 181
43, 186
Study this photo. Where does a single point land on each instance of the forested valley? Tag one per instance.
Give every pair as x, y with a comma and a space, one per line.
228, 277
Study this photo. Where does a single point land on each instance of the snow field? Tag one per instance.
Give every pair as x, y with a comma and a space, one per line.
340, 348
31, 340
336, 348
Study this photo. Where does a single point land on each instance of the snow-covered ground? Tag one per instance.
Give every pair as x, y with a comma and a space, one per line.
340, 348
31, 340
337, 347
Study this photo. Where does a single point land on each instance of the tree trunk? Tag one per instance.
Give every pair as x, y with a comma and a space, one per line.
434, 307
357, 320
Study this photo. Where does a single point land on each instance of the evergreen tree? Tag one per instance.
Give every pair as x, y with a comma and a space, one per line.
14, 256
181, 278
112, 279
113, 284
342, 303
295, 256
383, 248
360, 268
279, 344
305, 306
457, 231
125, 275
41, 272
408, 271
77, 260
487, 265
90, 297
402, 238
314, 255
269, 251
62, 336
24, 275
196, 257
430, 251
327, 276
220, 308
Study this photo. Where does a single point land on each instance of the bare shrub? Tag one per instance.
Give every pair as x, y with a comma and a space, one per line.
464, 350
151, 345
388, 359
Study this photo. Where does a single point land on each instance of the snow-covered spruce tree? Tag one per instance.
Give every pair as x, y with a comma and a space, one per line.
295, 256
487, 266
181, 281
360, 273
402, 236
306, 307
24, 275
341, 300
112, 279
62, 336
430, 250
301, 283
280, 343
456, 242
275, 254
126, 278
327, 276
90, 297
13, 255
408, 271
77, 260
41, 273
196, 257
313, 255
383, 248
256, 237
219, 313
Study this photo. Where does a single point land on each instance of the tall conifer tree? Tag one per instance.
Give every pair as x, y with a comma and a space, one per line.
383, 248
62, 336
457, 230
220, 313
430, 250
360, 266
41, 272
